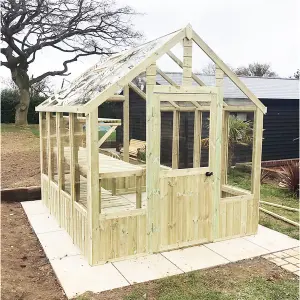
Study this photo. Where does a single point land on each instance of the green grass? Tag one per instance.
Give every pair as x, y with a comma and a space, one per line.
248, 280
111, 138
271, 193
34, 128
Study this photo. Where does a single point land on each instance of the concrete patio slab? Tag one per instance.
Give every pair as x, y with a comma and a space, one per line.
77, 276
272, 240
43, 223
58, 244
195, 258
35, 207
237, 249
146, 268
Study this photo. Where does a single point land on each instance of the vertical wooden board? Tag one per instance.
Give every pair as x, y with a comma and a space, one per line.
249, 216
126, 124
175, 139
93, 195
173, 208
195, 208
229, 219
243, 217
225, 133
153, 161
256, 166
187, 62
223, 218
197, 138
41, 130
236, 218
141, 237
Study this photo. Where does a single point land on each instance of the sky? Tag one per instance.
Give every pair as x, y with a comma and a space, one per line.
239, 31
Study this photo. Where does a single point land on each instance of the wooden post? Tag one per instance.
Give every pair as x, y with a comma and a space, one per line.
60, 150
197, 139
215, 148
126, 124
187, 62
41, 129
152, 162
49, 146
225, 127
138, 183
175, 140
256, 166
93, 195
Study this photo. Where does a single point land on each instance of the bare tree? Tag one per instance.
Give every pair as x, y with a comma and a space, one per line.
209, 69
256, 69
297, 74
76, 27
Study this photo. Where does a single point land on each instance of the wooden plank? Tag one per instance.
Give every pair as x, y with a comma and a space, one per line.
134, 72
183, 172
168, 89
49, 146
225, 137
238, 198
279, 217
185, 97
137, 90
60, 151
41, 130
234, 190
152, 162
228, 72
126, 124
175, 139
256, 166
138, 184
280, 206
215, 148
93, 195
197, 139
116, 98
180, 64
240, 108
106, 135
187, 62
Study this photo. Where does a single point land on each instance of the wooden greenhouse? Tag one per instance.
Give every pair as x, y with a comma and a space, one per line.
84, 188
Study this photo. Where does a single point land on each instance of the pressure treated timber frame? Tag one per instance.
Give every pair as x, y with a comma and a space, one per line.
82, 187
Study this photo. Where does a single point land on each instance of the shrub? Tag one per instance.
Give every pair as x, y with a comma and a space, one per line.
9, 100
289, 177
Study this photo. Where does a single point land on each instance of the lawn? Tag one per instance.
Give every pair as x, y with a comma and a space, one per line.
270, 192
255, 279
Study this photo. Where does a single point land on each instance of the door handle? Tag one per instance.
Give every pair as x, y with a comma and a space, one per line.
209, 173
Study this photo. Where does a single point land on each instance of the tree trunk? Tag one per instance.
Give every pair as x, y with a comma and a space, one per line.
21, 79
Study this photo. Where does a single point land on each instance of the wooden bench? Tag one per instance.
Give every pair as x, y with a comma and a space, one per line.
134, 146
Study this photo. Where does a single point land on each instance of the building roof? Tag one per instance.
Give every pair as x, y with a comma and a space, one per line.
262, 87
105, 79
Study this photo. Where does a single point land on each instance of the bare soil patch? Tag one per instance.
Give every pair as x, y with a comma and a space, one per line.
20, 162
26, 271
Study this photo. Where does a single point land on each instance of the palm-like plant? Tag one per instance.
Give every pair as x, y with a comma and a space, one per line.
289, 177
240, 133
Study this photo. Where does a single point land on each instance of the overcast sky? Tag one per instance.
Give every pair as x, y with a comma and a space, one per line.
239, 31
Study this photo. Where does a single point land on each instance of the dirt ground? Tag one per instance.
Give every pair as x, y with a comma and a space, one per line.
20, 162
26, 271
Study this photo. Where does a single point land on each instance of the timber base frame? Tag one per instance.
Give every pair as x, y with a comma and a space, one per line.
84, 189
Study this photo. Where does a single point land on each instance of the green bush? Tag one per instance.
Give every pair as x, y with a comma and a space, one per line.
9, 100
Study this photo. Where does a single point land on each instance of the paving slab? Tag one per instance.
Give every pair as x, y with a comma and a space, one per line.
194, 258
43, 223
77, 276
34, 207
236, 249
58, 244
146, 268
272, 240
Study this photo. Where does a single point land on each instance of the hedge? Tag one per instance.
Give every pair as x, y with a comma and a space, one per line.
10, 99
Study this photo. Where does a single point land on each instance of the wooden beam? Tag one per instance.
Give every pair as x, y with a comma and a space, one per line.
175, 139
60, 151
116, 98
168, 89
106, 136
152, 162
240, 108
49, 146
228, 72
180, 64
187, 62
197, 138
137, 90
93, 188
280, 206
126, 124
183, 172
215, 148
279, 217
256, 166
134, 72
42, 141
234, 190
